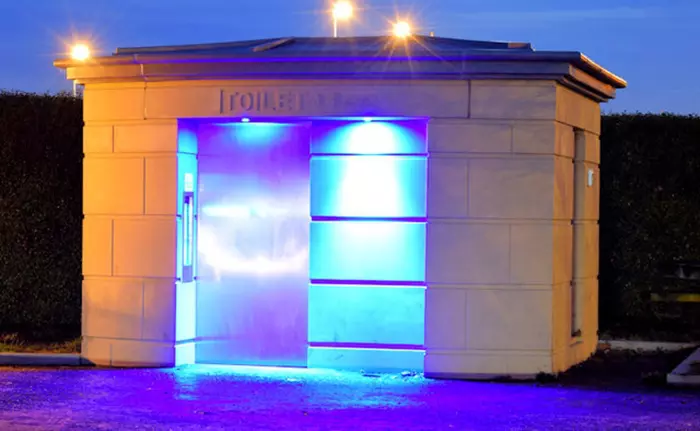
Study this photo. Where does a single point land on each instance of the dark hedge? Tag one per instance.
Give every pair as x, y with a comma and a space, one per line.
40, 214
650, 213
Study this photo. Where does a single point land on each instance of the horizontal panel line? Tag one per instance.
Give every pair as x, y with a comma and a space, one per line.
489, 352
371, 219
495, 286
143, 278
366, 346
497, 220
378, 283
216, 339
172, 216
185, 342
330, 155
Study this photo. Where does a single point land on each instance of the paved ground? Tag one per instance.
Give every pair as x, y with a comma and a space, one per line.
249, 399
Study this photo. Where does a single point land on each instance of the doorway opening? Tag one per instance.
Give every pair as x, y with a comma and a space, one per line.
311, 243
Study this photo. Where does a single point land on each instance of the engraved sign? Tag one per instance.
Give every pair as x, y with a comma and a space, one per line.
280, 101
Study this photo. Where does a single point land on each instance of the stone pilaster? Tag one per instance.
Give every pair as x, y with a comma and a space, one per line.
135, 307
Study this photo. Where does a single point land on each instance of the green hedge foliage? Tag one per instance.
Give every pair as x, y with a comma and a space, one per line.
650, 213
40, 213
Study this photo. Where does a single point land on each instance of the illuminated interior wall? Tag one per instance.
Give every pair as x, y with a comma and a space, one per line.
253, 244
311, 244
367, 244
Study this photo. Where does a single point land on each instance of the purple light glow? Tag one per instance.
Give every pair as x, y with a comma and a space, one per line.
259, 210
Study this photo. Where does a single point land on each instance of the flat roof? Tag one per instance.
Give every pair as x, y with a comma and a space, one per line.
451, 58
349, 46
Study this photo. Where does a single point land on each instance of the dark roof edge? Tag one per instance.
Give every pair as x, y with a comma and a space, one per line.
474, 44
576, 59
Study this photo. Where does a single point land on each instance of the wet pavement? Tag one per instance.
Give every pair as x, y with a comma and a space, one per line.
231, 398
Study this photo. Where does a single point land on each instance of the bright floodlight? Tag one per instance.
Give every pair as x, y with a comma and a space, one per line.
342, 10
80, 52
402, 29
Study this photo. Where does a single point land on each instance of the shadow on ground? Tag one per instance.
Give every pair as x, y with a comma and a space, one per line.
622, 370
612, 391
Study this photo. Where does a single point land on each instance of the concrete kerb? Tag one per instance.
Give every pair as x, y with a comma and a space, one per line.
687, 373
43, 359
644, 346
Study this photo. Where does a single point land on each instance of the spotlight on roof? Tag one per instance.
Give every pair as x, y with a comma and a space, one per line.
80, 52
402, 29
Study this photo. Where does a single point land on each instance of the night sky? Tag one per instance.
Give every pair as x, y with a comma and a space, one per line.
653, 44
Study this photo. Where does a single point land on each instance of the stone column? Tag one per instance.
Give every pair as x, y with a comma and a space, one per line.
576, 339
500, 246
586, 241
136, 311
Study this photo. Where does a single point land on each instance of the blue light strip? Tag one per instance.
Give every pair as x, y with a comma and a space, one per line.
371, 219
372, 346
416, 284
321, 154
368, 347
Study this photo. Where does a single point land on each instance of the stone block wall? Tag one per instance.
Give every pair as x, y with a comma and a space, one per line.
133, 170
505, 249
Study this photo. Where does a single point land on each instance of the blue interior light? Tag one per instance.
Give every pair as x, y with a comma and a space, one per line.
373, 137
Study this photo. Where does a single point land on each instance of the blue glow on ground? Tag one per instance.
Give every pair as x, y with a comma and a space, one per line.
254, 398
264, 372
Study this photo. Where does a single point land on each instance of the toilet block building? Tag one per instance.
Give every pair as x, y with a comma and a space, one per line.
371, 203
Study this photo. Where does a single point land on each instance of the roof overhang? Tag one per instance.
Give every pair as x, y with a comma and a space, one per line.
269, 60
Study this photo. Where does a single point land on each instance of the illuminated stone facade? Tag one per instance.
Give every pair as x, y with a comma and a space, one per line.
511, 224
